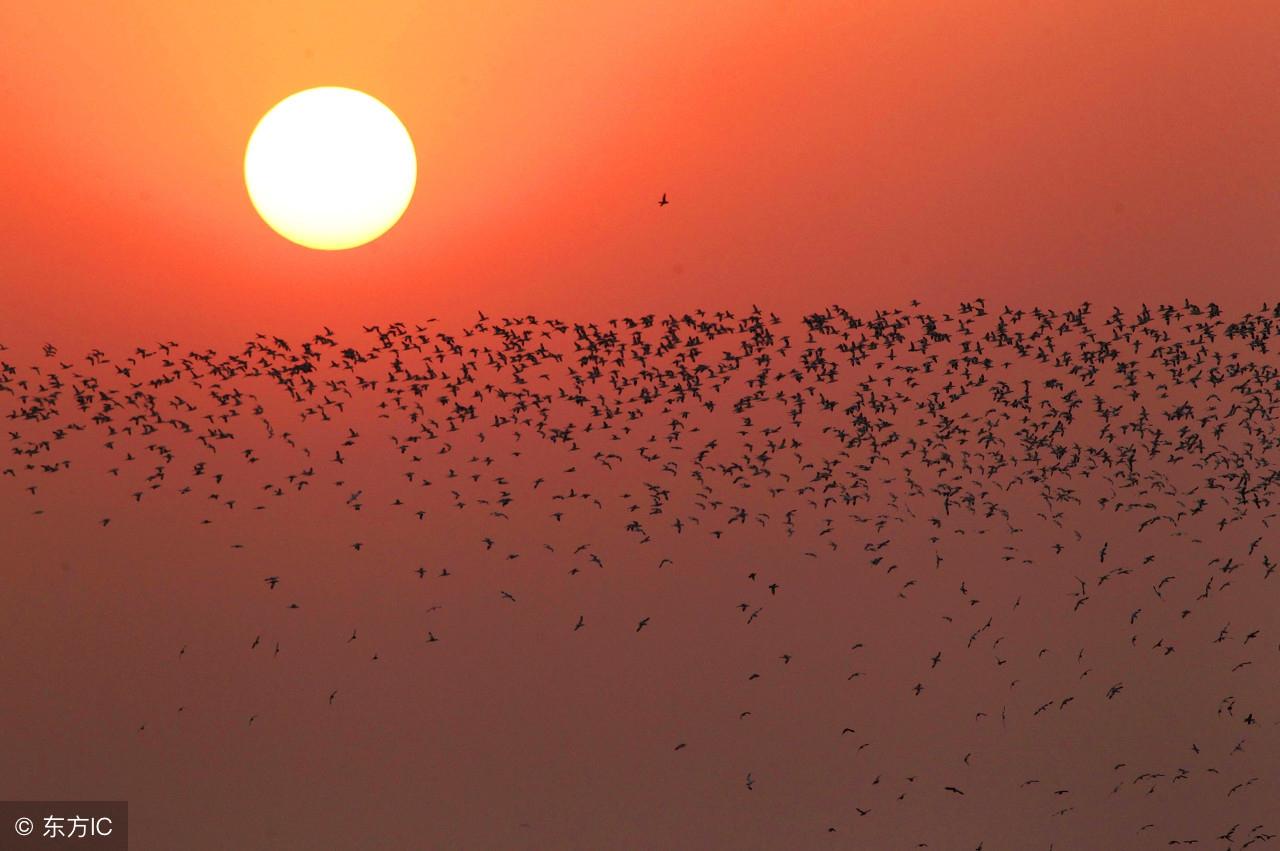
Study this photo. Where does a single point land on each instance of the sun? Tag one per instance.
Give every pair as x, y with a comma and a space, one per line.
330, 168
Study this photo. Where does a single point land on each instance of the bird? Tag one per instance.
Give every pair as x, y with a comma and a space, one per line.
1022, 442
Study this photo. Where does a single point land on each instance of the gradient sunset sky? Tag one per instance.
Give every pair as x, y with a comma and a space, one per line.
868, 154
862, 153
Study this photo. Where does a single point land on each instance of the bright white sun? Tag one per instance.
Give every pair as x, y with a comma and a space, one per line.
330, 168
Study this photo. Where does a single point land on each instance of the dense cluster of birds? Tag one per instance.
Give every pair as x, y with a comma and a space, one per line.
1127, 458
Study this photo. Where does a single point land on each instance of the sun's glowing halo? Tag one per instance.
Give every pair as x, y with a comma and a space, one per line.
330, 168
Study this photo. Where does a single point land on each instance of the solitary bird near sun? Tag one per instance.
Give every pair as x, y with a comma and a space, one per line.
330, 168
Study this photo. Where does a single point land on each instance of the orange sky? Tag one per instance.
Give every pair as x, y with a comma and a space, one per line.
866, 153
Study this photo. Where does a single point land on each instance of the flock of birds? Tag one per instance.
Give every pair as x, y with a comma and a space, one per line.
1123, 463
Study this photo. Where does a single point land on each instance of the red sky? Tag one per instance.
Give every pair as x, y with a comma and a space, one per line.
863, 153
